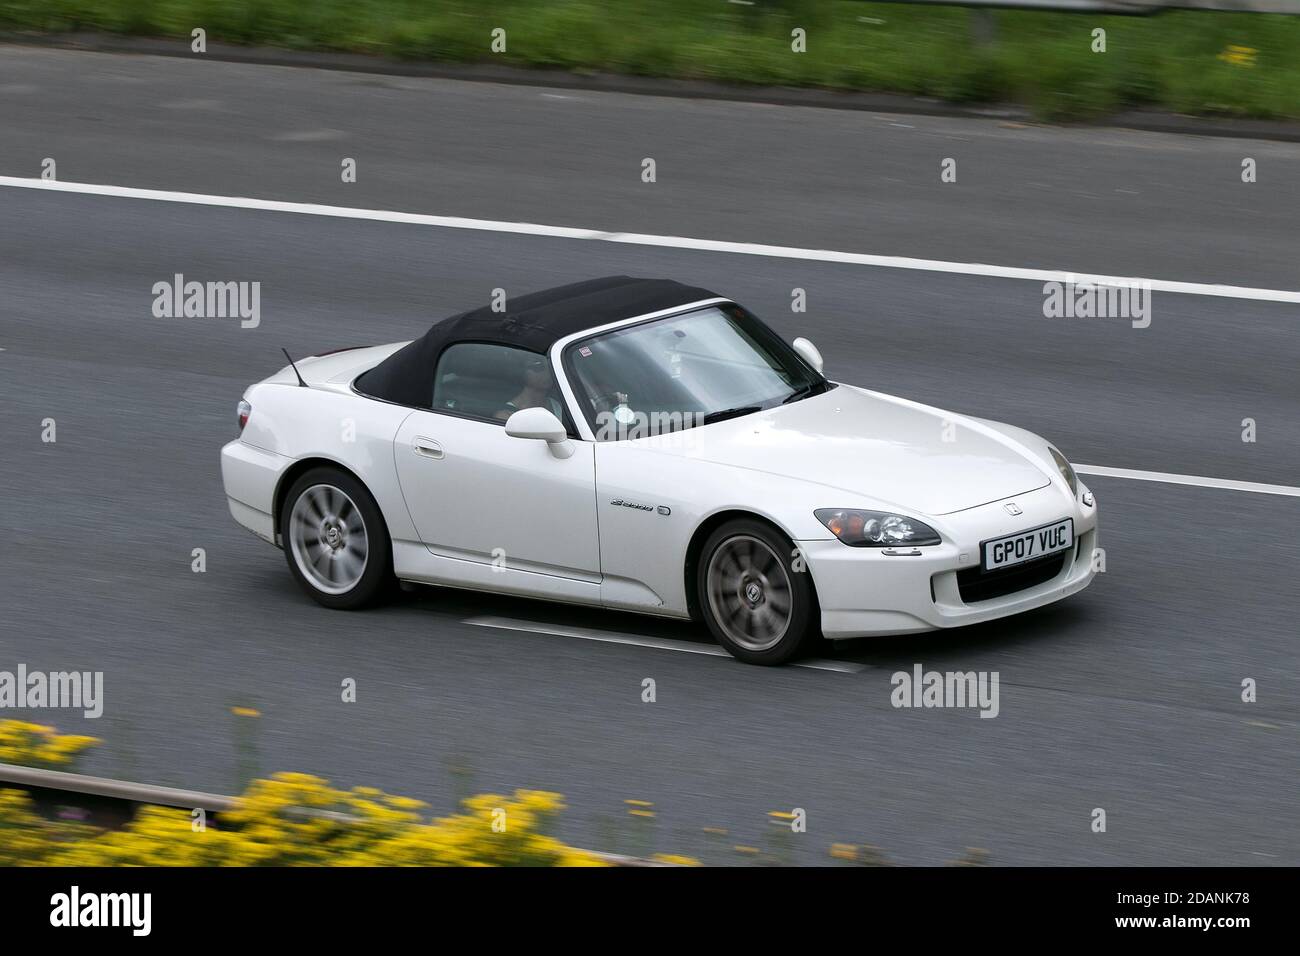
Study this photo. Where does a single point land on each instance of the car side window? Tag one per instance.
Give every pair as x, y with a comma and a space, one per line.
493, 382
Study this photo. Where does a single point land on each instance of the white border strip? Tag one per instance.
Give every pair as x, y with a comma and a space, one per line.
1225, 483
658, 643
672, 242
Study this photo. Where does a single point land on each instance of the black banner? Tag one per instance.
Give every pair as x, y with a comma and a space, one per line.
332, 905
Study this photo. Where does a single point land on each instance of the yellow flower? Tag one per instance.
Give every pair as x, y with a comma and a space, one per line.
290, 819
1239, 55
35, 745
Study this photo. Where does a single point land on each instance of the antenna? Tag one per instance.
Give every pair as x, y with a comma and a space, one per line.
294, 367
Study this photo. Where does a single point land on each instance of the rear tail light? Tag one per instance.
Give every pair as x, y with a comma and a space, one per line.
245, 410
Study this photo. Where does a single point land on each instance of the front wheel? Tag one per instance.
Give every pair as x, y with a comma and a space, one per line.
757, 605
335, 540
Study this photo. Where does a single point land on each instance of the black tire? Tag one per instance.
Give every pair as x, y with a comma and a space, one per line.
303, 538
754, 602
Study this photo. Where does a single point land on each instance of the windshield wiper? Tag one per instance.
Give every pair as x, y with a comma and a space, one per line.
726, 413
803, 391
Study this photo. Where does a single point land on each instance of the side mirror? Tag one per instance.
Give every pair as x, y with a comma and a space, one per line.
809, 352
541, 425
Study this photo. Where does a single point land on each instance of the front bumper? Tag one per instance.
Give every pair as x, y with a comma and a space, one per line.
864, 592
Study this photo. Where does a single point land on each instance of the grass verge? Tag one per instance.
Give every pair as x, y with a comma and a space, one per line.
1245, 65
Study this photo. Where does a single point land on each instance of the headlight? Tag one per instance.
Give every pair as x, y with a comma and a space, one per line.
1067, 472
875, 529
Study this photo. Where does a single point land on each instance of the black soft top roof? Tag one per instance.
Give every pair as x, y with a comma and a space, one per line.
534, 322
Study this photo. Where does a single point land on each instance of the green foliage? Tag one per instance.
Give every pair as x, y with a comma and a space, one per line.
1182, 61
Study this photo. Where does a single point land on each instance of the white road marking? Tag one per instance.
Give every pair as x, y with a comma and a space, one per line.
713, 245
658, 643
310, 136
672, 242
1196, 480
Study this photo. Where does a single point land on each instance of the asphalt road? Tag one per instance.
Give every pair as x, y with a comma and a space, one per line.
1091, 200
1126, 697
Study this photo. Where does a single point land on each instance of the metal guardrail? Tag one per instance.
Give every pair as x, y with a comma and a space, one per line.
34, 777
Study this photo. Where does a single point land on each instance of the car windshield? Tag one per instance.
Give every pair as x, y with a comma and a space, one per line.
684, 370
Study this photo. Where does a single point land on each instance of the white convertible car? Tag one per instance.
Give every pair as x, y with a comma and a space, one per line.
643, 445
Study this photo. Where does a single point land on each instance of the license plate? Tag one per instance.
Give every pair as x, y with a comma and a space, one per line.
1027, 545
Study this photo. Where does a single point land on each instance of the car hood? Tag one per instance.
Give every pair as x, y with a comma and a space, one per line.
873, 445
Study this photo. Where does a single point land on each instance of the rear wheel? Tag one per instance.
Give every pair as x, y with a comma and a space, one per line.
335, 539
754, 601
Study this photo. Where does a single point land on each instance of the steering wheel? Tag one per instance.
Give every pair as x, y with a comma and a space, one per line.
606, 401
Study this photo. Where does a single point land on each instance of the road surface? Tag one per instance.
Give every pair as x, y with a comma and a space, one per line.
1127, 697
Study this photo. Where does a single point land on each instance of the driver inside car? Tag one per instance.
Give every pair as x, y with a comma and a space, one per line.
538, 390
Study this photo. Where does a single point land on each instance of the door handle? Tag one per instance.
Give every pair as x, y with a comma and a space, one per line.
427, 448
